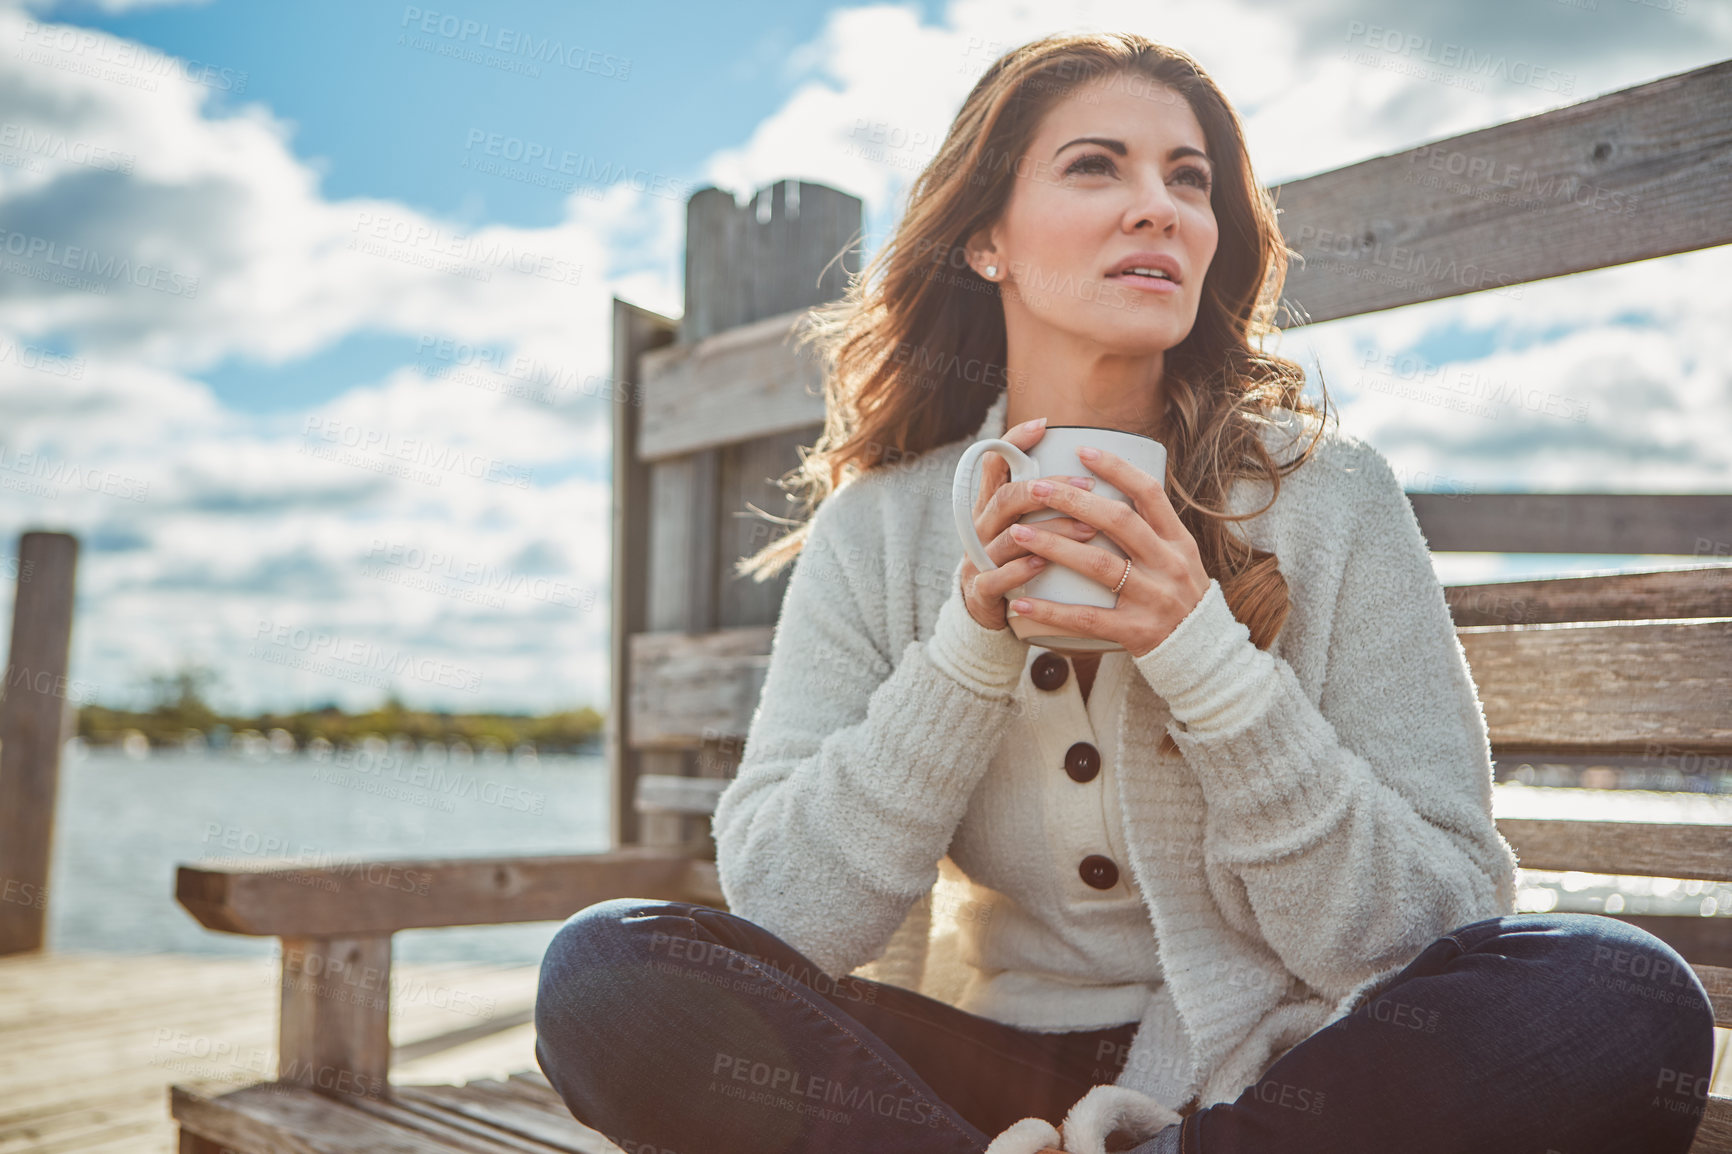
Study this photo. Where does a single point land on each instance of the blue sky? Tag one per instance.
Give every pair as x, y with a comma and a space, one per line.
287, 461
380, 119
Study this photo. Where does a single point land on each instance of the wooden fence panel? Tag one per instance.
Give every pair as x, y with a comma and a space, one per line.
1627, 176
1675, 524
750, 270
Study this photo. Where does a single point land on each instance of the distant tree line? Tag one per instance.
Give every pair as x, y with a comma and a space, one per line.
181, 711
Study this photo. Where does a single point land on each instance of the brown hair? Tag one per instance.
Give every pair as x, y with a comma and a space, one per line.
918, 292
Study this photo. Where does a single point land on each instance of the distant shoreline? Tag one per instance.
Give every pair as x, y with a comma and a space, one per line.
191, 725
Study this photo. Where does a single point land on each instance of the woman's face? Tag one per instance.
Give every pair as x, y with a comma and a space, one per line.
1117, 177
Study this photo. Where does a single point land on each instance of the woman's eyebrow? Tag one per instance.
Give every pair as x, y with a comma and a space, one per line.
1117, 148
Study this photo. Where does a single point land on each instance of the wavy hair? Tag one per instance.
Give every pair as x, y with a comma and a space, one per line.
884, 405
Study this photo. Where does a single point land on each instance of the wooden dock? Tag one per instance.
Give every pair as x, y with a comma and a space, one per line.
89, 1043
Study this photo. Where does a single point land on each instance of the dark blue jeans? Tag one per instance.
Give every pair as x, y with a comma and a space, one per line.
680, 1029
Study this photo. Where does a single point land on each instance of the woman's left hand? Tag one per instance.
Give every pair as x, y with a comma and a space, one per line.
1167, 578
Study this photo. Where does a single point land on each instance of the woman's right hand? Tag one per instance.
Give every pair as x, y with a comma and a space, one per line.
998, 506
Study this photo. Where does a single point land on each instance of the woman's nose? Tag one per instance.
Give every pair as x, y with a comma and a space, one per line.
1152, 204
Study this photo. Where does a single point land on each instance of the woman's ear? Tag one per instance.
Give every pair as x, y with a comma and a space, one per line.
983, 255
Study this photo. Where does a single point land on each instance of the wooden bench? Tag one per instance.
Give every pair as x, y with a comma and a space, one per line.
1558, 692
1632, 669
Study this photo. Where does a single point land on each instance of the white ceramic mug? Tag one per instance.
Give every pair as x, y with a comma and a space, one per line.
1055, 456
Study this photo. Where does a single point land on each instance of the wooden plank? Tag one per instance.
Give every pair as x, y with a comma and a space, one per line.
717, 279
1676, 593
668, 515
1717, 981
457, 892
705, 886
191, 1143
334, 1032
529, 1086
74, 1080
1634, 174
775, 253
271, 1118
699, 541
737, 385
455, 1130
58, 1045
1610, 688
670, 832
451, 1039
495, 1105
1714, 1133
662, 793
135, 1133
1674, 524
685, 689
109, 990
635, 332
87, 1124
749, 474
1703, 941
535, 1082
1607, 687
1630, 848
33, 714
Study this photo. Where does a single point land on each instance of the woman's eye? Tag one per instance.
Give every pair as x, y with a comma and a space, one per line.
1094, 162
1195, 176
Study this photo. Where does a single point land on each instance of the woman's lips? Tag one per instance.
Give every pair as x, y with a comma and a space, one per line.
1147, 284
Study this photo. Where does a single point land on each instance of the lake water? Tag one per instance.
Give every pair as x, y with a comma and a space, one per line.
123, 825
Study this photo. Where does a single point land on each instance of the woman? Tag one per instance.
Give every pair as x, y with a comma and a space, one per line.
1234, 886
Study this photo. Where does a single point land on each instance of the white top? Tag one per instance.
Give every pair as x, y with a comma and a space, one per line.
1044, 949
1329, 815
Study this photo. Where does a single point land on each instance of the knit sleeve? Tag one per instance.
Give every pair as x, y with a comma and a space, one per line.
857, 769
1358, 829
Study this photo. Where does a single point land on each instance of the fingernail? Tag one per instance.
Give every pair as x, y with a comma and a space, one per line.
1083, 482
1030, 426
1021, 532
1086, 530
1088, 454
1041, 488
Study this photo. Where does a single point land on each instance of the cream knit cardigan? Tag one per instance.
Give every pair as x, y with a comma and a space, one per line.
1329, 817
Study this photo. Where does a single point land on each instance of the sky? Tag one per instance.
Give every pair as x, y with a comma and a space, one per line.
277, 438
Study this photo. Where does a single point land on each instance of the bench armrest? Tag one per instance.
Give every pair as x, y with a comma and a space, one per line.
363, 899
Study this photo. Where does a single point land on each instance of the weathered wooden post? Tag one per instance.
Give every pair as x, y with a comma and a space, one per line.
32, 729
720, 414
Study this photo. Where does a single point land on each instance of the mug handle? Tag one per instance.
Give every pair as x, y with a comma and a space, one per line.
1022, 468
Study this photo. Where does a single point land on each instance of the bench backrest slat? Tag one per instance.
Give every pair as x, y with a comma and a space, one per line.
1674, 524
1625, 848
1627, 176
1610, 687
1705, 591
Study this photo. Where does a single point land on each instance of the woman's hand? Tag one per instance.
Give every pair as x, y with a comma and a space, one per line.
996, 508
1167, 579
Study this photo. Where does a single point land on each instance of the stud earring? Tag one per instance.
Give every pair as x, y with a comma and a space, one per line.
991, 270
